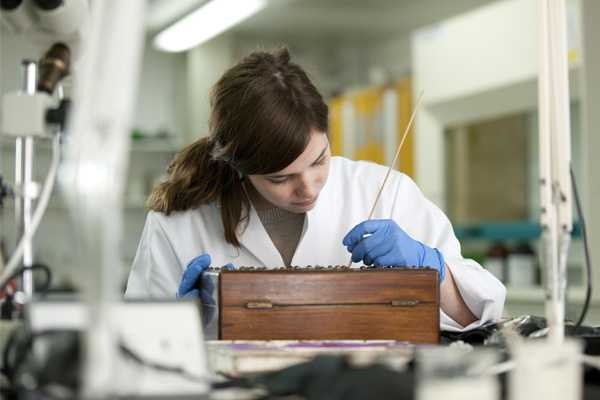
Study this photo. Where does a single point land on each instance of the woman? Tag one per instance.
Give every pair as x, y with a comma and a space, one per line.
263, 190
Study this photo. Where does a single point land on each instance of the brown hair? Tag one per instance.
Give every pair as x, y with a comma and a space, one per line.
263, 112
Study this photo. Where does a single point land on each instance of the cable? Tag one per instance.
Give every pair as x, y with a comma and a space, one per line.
13, 263
19, 271
159, 367
62, 369
8, 306
586, 303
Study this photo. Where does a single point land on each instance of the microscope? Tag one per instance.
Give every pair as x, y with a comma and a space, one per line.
55, 31
83, 90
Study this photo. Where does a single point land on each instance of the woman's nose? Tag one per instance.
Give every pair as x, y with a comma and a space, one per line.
307, 188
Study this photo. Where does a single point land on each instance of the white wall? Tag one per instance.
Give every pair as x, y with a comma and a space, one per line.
457, 62
590, 10
478, 51
392, 58
205, 64
161, 96
476, 66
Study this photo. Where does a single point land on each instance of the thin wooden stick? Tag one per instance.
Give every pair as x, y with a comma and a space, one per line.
394, 161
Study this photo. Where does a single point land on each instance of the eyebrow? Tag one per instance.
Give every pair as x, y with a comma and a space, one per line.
284, 175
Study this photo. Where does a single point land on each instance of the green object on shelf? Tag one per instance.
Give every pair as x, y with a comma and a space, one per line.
475, 256
137, 134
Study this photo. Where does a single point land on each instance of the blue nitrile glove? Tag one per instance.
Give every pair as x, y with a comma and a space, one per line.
195, 282
384, 243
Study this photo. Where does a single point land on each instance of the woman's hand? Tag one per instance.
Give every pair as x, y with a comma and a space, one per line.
195, 282
384, 243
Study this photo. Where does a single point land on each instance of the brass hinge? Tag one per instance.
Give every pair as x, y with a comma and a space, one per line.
259, 304
404, 303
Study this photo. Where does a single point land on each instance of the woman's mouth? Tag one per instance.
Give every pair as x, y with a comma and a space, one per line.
306, 203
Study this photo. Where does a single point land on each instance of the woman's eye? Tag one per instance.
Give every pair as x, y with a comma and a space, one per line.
279, 182
320, 161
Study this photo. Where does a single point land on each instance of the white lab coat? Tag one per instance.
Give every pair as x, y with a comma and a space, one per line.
169, 243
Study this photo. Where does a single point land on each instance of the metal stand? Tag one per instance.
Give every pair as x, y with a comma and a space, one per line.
26, 188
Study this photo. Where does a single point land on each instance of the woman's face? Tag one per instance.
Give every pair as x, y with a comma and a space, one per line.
296, 187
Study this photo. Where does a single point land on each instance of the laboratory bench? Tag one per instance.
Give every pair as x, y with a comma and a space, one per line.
355, 370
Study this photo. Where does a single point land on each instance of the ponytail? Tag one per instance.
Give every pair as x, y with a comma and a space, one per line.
196, 178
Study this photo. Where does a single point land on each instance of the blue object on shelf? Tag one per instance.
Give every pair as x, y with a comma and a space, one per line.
499, 231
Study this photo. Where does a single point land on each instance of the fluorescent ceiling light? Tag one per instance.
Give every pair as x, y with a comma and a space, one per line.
208, 21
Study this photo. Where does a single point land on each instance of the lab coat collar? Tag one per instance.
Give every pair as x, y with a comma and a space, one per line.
257, 241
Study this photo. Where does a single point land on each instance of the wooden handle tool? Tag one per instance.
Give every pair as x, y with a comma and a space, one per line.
394, 160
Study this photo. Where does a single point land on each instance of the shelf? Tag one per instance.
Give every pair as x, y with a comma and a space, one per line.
536, 294
156, 146
55, 203
516, 230
167, 146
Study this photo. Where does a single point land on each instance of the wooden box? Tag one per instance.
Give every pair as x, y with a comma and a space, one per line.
351, 304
